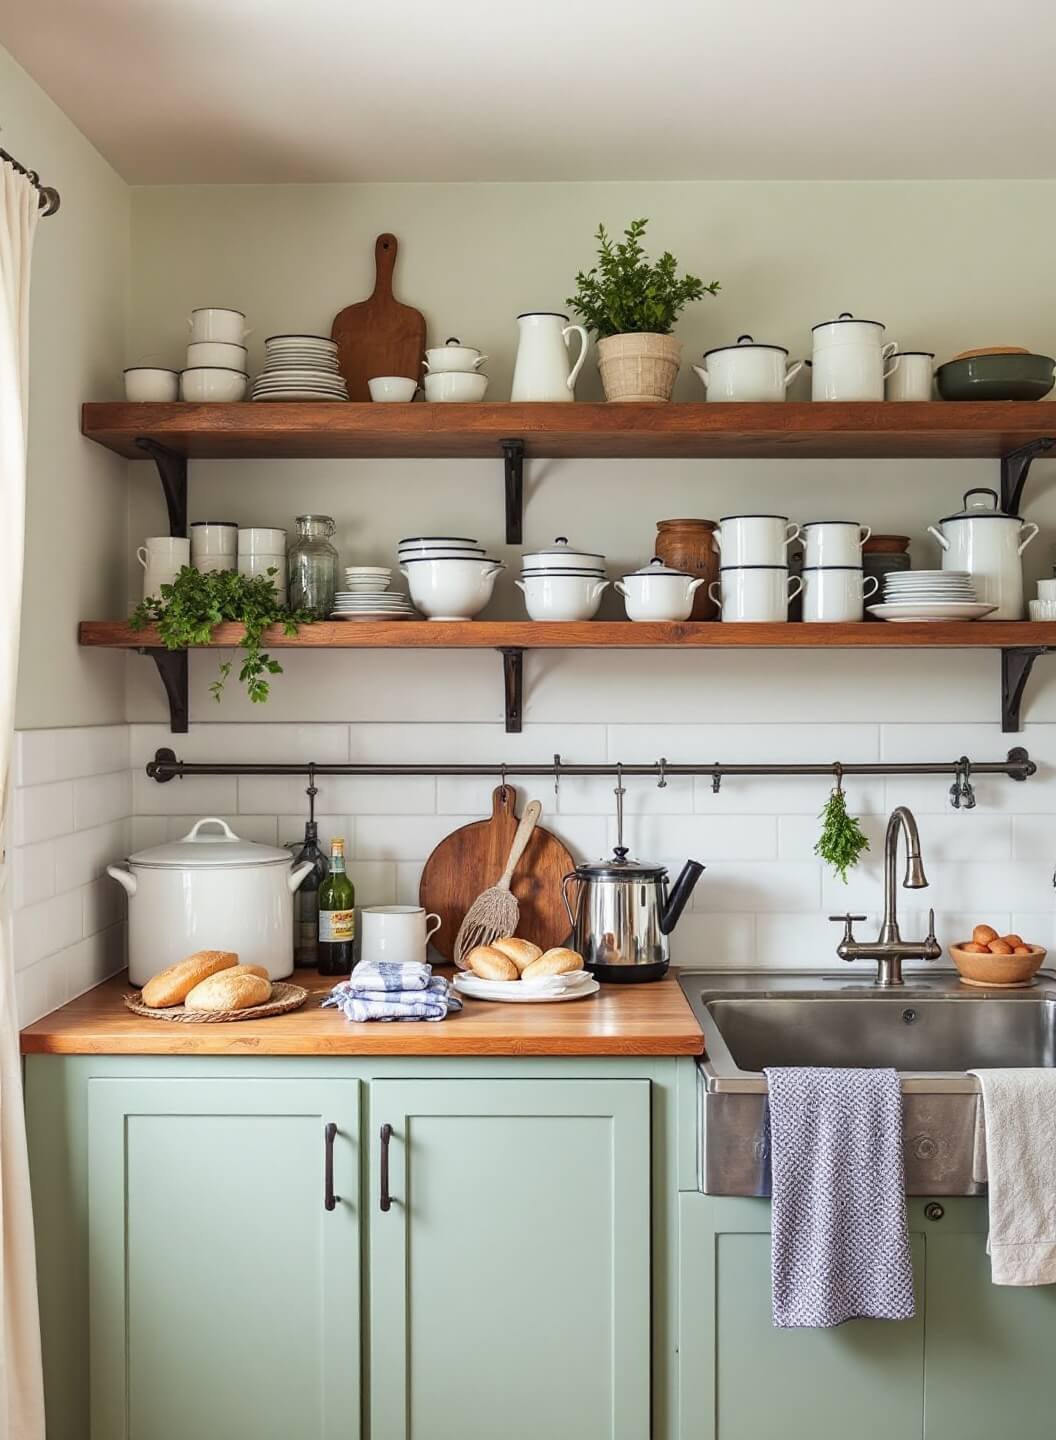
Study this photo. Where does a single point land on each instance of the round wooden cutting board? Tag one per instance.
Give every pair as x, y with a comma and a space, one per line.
470, 859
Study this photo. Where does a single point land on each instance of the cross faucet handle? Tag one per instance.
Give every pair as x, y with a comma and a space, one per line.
848, 923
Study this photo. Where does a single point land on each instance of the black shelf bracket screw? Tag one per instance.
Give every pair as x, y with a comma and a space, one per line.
513, 685
1016, 665
172, 667
172, 472
1015, 467
513, 465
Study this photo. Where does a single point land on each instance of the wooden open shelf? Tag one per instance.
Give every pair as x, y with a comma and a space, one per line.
303, 430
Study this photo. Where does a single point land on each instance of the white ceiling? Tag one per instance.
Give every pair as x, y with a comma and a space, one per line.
324, 90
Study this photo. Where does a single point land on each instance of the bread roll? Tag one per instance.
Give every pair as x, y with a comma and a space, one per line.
521, 952
972, 948
1014, 940
998, 947
558, 961
1022, 950
249, 970
228, 991
491, 964
983, 934
172, 985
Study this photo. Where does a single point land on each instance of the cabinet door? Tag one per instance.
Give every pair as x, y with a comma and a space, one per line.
740, 1379
224, 1296
989, 1347
509, 1280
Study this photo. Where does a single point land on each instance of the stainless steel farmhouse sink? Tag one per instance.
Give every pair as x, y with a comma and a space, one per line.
931, 1030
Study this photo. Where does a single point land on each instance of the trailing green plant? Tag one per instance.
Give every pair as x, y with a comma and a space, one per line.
842, 842
187, 611
626, 293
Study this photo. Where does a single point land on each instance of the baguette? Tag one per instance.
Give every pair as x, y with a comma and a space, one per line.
558, 961
172, 985
229, 991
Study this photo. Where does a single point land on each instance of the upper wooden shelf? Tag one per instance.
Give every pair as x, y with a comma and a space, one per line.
935, 430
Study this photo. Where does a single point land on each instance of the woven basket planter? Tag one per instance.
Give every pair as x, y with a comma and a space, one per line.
639, 367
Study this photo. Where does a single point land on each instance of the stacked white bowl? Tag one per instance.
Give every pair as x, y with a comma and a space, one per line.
562, 582
300, 367
453, 374
260, 549
216, 356
449, 576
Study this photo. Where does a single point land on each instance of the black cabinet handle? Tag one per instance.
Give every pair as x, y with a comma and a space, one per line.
329, 1198
385, 1199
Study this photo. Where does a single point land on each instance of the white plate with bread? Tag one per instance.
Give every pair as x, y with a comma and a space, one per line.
512, 969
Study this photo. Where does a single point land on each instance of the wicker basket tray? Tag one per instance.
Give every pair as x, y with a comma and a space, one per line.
283, 997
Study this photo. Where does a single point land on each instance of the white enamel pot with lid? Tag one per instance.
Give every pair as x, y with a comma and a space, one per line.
656, 592
982, 540
561, 556
562, 594
210, 890
451, 356
747, 372
850, 359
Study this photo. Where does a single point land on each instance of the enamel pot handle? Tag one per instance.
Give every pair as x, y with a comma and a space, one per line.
939, 537
1027, 525
792, 371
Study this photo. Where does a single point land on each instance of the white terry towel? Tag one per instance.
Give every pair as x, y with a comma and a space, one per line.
1019, 1114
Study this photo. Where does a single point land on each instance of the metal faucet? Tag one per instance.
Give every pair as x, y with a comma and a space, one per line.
889, 949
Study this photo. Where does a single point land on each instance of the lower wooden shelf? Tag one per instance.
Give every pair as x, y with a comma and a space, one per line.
1019, 641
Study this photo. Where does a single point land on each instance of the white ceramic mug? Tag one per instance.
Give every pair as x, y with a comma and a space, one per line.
214, 544
756, 593
398, 933
911, 379
755, 539
162, 557
836, 593
833, 542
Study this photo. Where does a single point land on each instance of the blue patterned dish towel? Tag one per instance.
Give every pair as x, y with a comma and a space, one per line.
384, 990
840, 1239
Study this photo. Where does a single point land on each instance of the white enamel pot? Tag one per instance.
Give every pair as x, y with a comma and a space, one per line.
850, 359
656, 592
747, 372
210, 890
986, 543
561, 594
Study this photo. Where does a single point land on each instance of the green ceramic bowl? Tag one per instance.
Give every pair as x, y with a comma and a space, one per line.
996, 377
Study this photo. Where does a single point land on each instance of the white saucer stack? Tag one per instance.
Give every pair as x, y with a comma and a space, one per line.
930, 595
376, 604
299, 367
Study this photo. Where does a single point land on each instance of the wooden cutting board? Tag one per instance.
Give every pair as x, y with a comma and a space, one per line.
379, 336
470, 859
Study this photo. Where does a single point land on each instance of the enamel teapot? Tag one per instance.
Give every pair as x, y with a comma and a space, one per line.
987, 544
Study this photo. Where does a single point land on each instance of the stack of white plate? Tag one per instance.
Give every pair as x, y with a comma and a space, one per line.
376, 604
299, 367
916, 595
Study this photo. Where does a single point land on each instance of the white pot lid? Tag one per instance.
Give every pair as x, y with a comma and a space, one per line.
211, 848
846, 318
560, 548
745, 342
980, 508
657, 567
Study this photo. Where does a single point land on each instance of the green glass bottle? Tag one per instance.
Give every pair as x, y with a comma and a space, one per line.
337, 916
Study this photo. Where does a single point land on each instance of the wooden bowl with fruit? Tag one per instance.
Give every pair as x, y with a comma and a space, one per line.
997, 961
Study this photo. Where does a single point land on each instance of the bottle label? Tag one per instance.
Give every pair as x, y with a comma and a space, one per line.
336, 926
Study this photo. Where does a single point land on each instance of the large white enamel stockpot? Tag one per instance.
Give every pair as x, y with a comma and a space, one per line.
849, 360
209, 891
987, 543
747, 372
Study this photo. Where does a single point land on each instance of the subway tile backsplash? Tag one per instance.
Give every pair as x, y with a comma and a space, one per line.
82, 800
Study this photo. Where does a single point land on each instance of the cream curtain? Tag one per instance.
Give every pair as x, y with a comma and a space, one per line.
21, 1388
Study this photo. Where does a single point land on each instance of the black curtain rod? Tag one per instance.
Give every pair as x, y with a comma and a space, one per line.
47, 195
1017, 766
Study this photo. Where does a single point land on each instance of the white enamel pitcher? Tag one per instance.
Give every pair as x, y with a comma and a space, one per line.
543, 370
986, 543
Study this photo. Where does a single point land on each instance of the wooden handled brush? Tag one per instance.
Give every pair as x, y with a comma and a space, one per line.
495, 912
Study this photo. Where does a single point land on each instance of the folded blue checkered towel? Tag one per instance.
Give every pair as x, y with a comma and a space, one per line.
369, 995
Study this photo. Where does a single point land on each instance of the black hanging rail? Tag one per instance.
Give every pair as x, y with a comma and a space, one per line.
47, 195
1017, 766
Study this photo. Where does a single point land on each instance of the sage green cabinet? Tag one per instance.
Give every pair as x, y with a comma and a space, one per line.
510, 1278
223, 1295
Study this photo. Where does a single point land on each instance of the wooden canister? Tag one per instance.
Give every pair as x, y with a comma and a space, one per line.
689, 545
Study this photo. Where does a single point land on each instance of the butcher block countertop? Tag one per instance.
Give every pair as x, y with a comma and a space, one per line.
631, 1020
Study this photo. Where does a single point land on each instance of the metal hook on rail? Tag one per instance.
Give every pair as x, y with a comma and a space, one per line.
716, 780
837, 770
503, 796
661, 783
312, 791
557, 777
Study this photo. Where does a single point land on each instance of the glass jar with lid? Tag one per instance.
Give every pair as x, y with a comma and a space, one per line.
312, 567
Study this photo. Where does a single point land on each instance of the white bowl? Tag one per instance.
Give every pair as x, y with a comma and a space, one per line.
212, 322
443, 359
210, 383
150, 385
454, 589
455, 387
561, 595
215, 352
392, 389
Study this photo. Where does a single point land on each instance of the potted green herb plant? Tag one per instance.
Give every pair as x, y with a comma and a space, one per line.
632, 303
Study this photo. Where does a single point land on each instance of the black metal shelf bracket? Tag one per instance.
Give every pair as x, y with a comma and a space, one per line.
1016, 665
172, 667
513, 685
172, 472
513, 465
1015, 467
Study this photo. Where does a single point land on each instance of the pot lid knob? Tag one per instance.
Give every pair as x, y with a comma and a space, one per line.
745, 340
845, 315
452, 340
621, 852
561, 540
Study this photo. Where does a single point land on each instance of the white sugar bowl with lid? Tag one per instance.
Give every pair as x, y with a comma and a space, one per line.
747, 372
850, 359
982, 540
453, 355
211, 890
656, 592
562, 556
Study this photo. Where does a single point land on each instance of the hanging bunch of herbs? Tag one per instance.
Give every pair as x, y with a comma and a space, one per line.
842, 842
627, 293
187, 611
